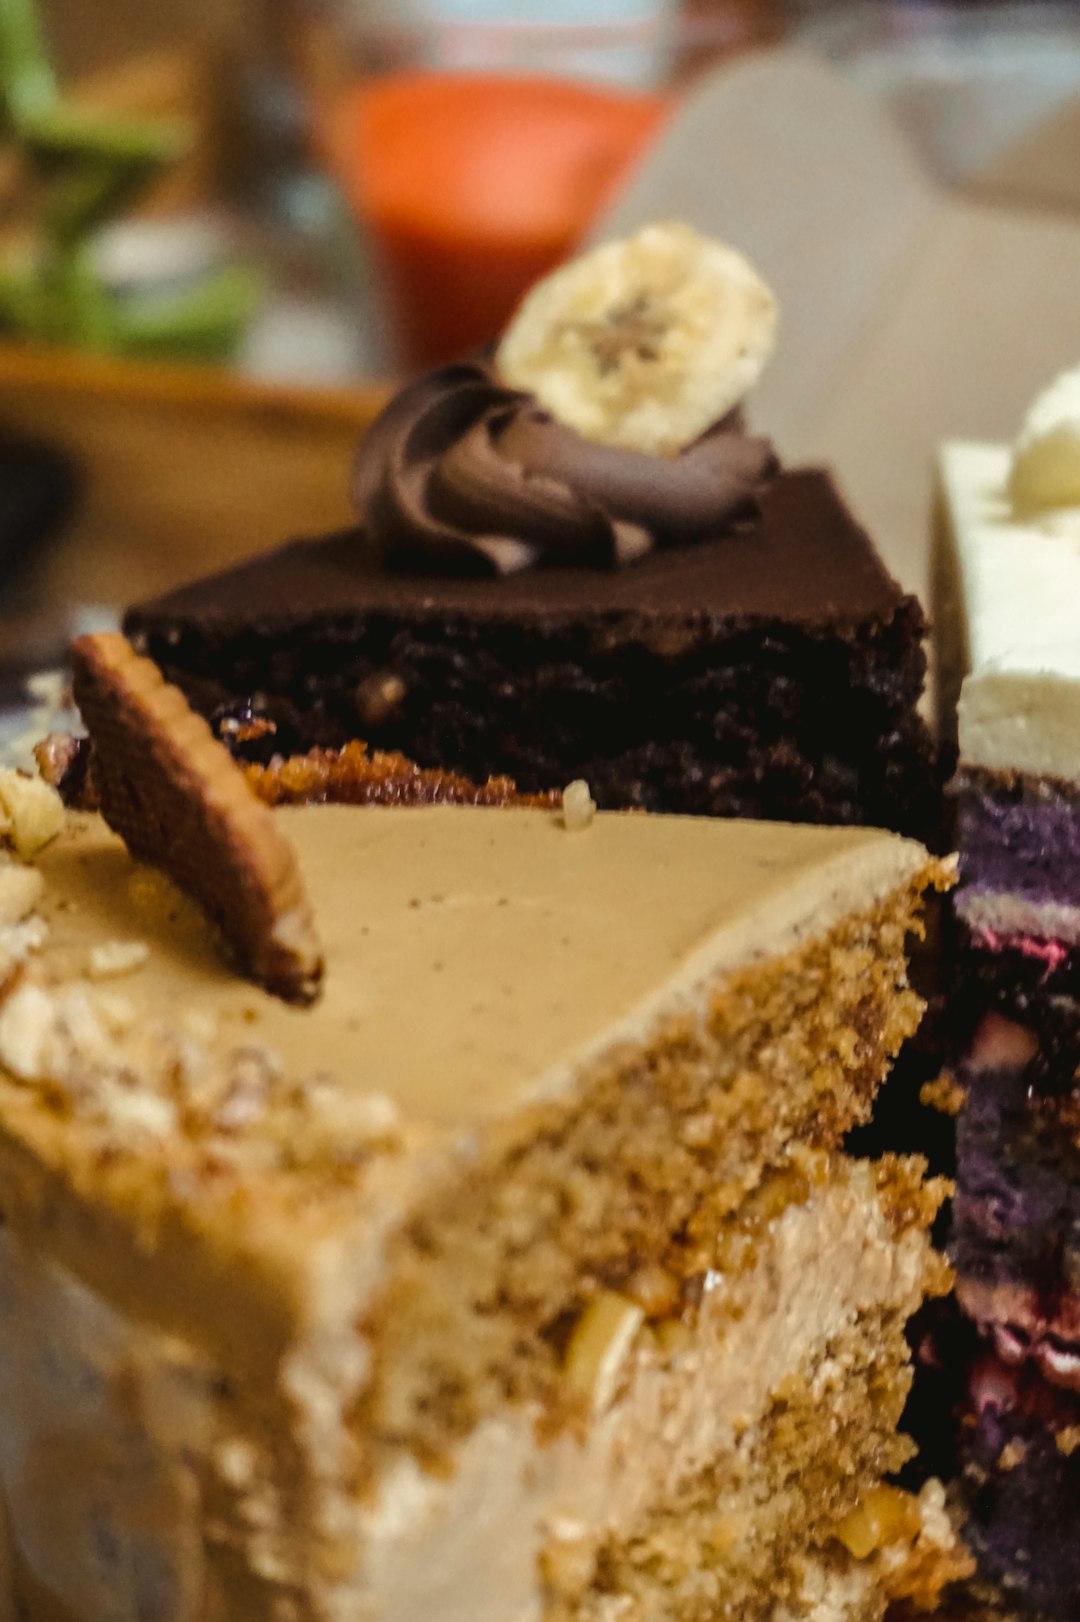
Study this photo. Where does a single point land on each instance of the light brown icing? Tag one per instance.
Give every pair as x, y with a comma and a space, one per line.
475, 959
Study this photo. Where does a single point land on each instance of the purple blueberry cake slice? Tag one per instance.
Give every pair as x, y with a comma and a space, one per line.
1010, 551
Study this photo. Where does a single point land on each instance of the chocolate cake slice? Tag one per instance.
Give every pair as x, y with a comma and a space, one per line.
771, 671
690, 630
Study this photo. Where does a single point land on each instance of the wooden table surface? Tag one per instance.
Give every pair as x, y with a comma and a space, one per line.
184, 470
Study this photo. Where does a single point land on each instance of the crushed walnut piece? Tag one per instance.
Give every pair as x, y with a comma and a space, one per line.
31, 812
599, 1345
20, 891
110, 959
82, 1047
578, 806
943, 1094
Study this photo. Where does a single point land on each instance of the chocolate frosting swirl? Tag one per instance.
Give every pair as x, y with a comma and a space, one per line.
461, 475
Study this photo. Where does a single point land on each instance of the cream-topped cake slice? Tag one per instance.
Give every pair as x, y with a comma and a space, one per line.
520, 1276
1011, 539
1017, 580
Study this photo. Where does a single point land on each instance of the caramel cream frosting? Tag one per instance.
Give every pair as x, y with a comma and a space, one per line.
460, 474
475, 962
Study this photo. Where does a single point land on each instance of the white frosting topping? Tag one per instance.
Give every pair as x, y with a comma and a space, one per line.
1046, 462
1018, 589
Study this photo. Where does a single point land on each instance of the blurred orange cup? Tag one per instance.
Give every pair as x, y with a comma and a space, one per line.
470, 186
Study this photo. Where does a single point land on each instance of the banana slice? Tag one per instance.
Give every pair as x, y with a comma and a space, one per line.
643, 343
1046, 462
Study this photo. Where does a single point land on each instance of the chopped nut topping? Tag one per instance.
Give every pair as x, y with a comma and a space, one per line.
578, 806
32, 813
20, 891
113, 958
17, 941
27, 1018
253, 1074
136, 1110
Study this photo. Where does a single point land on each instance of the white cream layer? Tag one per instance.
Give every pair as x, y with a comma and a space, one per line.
1000, 913
1018, 586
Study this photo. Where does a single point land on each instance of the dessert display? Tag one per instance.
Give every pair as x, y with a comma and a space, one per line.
516, 1272
1011, 545
574, 560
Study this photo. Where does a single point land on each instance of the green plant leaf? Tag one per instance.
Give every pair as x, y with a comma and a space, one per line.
27, 80
203, 320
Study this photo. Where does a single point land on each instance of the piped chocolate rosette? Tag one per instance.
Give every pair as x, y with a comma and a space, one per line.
606, 423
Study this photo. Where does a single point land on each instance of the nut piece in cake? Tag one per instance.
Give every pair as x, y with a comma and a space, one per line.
31, 812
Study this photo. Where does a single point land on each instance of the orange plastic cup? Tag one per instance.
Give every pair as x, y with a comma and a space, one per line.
471, 186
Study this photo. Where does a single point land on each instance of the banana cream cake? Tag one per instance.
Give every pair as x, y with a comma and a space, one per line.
493, 1256
574, 559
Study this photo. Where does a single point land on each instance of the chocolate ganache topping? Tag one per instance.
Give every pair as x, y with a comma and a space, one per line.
462, 475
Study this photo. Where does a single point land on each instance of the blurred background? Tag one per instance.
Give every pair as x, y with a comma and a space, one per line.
226, 225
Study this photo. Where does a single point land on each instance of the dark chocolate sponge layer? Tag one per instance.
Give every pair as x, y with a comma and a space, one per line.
771, 672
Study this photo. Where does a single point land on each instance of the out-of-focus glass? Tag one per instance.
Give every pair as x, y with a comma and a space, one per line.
626, 42
965, 80
476, 142
471, 186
